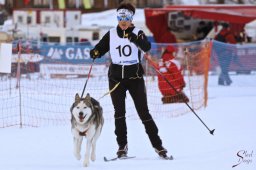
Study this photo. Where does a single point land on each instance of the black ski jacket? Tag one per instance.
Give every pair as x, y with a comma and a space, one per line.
119, 72
142, 41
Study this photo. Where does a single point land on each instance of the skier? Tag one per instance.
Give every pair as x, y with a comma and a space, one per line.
125, 43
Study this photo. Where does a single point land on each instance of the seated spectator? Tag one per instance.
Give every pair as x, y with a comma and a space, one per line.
172, 73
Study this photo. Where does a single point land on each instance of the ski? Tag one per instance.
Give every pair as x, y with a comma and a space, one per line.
130, 157
167, 157
116, 158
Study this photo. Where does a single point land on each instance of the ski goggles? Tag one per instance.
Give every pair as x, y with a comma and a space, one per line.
124, 15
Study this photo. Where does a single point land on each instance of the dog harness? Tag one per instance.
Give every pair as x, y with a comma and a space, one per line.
83, 133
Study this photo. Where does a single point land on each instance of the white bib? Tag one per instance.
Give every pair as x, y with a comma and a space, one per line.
122, 51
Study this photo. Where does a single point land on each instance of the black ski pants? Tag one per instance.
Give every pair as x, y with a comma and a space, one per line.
137, 90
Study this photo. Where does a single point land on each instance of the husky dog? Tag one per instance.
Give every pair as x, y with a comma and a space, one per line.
87, 121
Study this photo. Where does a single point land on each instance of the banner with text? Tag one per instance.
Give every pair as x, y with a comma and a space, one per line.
73, 54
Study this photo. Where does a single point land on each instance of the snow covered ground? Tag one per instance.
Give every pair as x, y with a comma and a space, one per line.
231, 111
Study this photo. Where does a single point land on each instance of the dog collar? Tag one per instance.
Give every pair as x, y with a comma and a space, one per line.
83, 133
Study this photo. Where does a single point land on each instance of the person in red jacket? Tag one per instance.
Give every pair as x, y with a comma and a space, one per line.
172, 73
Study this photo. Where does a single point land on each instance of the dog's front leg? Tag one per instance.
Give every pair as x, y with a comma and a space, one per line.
77, 147
87, 152
94, 139
93, 154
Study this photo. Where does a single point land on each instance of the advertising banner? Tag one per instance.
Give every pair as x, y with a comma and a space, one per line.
72, 54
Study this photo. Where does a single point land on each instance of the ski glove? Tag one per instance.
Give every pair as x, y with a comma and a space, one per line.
132, 37
94, 54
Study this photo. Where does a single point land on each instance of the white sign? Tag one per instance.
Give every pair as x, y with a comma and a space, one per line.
72, 69
5, 58
2, 2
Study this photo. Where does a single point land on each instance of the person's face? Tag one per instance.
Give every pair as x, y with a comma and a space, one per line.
124, 18
124, 24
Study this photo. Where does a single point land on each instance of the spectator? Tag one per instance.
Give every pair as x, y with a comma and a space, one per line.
225, 55
169, 69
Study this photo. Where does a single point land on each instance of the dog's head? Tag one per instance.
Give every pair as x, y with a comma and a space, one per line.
82, 109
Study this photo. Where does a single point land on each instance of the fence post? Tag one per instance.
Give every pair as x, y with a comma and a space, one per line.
19, 48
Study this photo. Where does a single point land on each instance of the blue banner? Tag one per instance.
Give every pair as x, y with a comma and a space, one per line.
73, 54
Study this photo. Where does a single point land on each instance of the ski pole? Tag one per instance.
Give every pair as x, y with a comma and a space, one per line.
168, 82
87, 78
